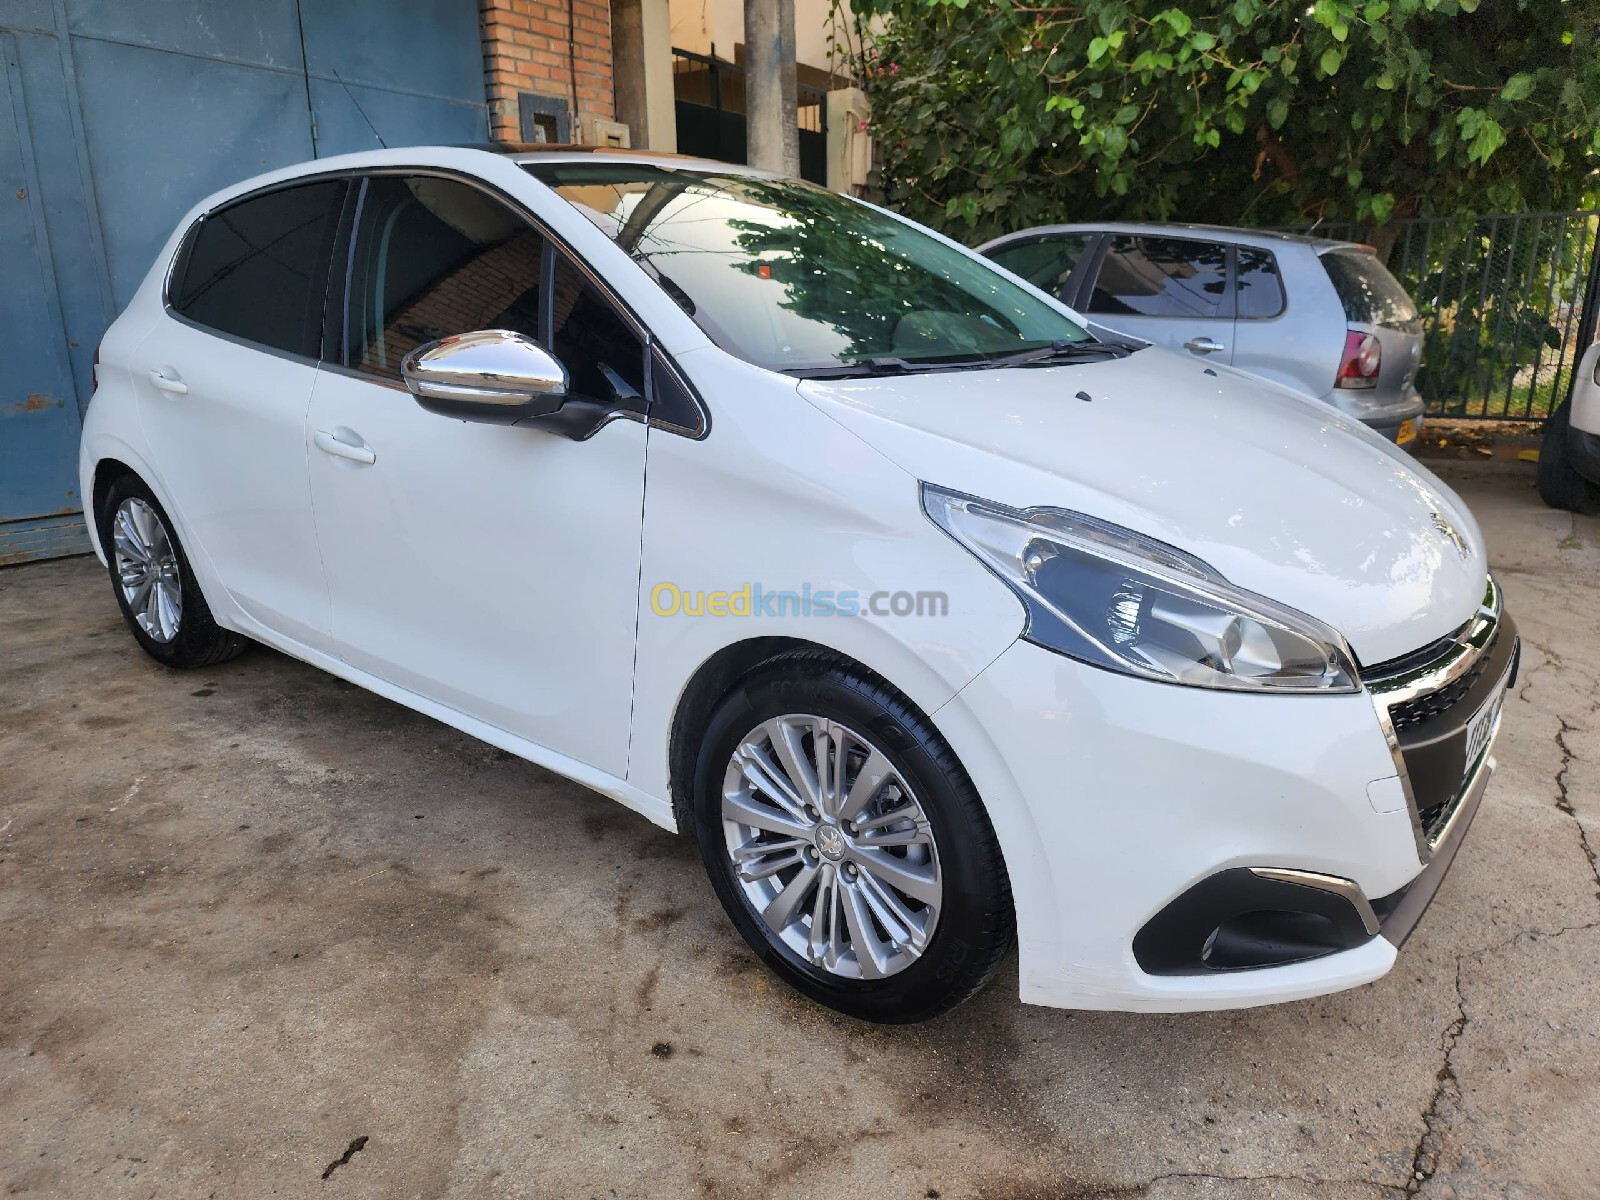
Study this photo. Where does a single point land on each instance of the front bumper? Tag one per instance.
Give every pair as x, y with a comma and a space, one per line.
1121, 804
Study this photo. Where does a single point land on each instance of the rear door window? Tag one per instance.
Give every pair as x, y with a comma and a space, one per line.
1370, 295
435, 257
1258, 286
258, 269
1162, 277
1045, 262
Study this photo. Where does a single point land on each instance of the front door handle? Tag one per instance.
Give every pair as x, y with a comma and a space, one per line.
1203, 345
358, 453
169, 383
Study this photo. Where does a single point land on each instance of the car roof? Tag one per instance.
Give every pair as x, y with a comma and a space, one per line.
1226, 233
458, 156
535, 152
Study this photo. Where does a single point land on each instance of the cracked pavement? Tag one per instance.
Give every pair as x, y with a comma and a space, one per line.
265, 934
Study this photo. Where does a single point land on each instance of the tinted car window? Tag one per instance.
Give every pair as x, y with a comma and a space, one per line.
434, 257
1161, 277
1370, 295
259, 268
603, 356
1045, 262
1259, 286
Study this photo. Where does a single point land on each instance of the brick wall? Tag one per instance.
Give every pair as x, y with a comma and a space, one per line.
525, 49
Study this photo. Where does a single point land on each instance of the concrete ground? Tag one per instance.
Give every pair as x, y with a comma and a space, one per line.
263, 934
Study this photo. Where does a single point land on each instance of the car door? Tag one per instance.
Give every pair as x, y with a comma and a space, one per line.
492, 569
1289, 349
224, 382
1172, 291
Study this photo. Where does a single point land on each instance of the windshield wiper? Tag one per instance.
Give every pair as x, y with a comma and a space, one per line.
882, 365
1063, 351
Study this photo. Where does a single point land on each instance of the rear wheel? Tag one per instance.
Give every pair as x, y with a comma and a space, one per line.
153, 583
1560, 485
847, 844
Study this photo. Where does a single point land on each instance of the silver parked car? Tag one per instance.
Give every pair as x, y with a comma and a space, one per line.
1322, 317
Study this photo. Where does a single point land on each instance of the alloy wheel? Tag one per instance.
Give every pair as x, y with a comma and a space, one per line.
831, 847
146, 565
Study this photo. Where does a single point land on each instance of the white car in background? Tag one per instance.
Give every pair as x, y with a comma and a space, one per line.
1569, 457
806, 532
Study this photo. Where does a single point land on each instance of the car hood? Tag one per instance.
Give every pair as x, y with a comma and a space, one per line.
1282, 494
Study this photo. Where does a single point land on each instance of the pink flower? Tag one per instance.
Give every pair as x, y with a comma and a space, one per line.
894, 68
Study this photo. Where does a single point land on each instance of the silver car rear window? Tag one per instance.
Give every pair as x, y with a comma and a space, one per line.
1370, 295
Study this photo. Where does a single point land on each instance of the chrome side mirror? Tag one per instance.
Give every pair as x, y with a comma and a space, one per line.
492, 375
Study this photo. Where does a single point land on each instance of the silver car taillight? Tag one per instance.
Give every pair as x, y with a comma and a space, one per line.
1363, 355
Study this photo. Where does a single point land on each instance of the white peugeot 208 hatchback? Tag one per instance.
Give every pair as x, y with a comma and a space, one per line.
788, 523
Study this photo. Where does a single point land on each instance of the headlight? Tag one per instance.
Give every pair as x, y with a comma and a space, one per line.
1116, 599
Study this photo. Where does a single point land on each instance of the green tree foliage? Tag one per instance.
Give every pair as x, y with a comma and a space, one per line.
994, 116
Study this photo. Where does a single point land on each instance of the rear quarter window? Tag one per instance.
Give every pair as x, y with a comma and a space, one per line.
258, 269
1370, 295
1259, 285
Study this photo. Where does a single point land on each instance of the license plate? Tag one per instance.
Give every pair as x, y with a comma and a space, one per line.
1407, 432
1481, 728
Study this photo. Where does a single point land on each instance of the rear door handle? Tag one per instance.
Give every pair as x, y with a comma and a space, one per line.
358, 453
1203, 345
169, 383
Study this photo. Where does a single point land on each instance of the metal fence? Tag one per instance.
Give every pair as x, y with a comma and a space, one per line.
1501, 298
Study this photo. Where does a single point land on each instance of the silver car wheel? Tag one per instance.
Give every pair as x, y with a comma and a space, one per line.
831, 847
146, 565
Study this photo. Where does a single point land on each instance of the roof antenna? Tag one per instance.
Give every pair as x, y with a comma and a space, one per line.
360, 110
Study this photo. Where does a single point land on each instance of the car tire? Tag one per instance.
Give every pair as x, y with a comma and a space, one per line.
153, 583
909, 891
1560, 485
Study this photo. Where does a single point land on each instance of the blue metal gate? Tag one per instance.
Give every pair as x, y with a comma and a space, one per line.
117, 115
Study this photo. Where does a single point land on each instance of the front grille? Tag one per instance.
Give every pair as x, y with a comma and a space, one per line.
1433, 818
1437, 704
1431, 729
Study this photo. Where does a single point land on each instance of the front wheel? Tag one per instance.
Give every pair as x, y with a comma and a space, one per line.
154, 584
847, 844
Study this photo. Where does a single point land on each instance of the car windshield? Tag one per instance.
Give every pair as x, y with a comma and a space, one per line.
793, 277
